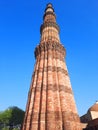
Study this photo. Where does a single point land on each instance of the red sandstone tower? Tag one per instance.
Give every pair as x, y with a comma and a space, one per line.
51, 104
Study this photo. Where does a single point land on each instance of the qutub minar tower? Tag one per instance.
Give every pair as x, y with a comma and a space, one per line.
51, 104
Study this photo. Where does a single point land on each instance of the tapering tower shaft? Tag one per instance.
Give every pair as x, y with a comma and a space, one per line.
49, 29
51, 104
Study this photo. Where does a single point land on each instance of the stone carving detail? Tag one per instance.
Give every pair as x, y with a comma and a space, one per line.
56, 56
48, 13
53, 87
65, 89
55, 114
70, 116
49, 46
53, 69
50, 24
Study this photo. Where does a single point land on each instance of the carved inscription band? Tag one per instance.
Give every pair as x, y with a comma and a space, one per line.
68, 116
49, 46
57, 56
48, 13
51, 68
50, 24
53, 88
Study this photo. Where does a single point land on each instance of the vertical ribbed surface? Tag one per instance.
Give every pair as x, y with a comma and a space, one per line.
51, 104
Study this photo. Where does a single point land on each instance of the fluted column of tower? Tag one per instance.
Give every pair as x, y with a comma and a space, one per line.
51, 104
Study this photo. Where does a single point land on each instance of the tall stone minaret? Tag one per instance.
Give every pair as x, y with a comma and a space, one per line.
51, 104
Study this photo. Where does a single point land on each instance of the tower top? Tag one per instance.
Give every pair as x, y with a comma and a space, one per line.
49, 8
49, 5
49, 29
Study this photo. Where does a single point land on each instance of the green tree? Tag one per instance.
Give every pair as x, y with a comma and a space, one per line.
12, 116
5, 116
17, 116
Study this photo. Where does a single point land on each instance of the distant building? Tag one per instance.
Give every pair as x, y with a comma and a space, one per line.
90, 119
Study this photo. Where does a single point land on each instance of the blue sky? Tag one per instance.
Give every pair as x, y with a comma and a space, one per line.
20, 22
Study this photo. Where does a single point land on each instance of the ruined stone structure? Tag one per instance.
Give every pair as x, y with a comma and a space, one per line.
51, 104
90, 119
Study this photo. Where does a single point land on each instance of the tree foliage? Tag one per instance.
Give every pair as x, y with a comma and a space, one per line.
12, 116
